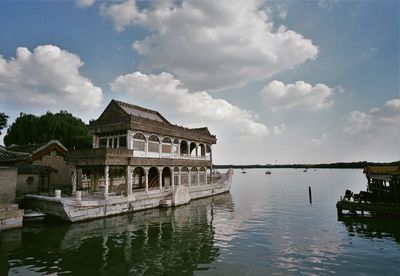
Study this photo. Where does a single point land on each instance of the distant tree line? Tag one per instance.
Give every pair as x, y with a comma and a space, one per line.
63, 126
338, 165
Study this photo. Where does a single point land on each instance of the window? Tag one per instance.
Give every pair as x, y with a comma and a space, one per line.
122, 142
102, 142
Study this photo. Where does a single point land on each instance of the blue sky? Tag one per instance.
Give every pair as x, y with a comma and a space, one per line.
276, 81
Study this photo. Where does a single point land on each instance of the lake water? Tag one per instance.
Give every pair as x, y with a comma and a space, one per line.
265, 225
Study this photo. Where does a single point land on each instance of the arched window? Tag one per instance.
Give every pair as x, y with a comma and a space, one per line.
184, 148
166, 145
193, 149
138, 142
202, 150
154, 143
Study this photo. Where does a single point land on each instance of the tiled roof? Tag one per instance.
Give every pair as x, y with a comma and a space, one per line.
8, 157
138, 111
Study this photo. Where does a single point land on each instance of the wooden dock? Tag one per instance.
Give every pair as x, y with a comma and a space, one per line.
374, 209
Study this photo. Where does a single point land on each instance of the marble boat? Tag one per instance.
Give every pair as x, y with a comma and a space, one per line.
139, 160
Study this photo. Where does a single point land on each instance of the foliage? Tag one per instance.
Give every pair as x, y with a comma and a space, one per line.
3, 121
63, 126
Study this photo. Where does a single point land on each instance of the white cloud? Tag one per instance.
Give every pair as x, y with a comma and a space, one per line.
318, 140
279, 96
212, 44
326, 4
84, 3
279, 129
47, 78
282, 11
165, 90
377, 120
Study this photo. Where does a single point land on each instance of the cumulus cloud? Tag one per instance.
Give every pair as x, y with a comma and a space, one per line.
279, 96
84, 3
47, 78
385, 119
165, 90
278, 129
211, 44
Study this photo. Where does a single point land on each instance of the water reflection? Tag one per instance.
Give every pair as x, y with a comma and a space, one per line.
372, 228
157, 241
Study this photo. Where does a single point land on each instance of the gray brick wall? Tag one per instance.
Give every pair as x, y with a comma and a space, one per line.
8, 184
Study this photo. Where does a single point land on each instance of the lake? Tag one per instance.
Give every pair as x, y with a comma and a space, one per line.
265, 225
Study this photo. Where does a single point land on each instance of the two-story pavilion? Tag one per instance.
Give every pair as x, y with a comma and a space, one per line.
136, 150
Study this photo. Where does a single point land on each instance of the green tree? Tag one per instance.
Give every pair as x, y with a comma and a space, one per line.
3, 121
63, 126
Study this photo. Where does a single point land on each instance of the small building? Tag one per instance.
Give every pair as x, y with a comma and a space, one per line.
10, 214
41, 167
382, 197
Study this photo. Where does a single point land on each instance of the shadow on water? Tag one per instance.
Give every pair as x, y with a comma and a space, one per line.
372, 228
151, 242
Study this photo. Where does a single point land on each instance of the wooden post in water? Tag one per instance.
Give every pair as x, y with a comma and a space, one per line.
309, 194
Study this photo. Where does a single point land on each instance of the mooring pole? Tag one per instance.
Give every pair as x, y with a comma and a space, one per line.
309, 194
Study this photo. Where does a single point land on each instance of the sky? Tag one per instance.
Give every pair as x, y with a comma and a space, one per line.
276, 81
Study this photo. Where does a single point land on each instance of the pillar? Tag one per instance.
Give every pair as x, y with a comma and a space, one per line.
205, 175
189, 178
179, 149
160, 178
146, 175
128, 180
179, 177
173, 180
106, 180
146, 145
160, 147
73, 180
198, 177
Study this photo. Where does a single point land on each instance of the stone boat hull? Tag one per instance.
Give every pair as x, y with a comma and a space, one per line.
72, 209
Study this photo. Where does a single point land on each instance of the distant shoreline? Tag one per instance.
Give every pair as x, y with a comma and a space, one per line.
339, 165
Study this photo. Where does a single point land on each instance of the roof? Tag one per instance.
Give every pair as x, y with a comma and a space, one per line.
119, 116
35, 169
35, 147
139, 111
8, 157
20, 153
383, 170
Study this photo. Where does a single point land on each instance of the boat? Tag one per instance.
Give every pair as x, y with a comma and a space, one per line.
32, 215
382, 197
139, 160
244, 171
268, 172
305, 170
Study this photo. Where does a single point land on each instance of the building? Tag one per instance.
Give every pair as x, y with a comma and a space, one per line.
139, 142
139, 160
42, 167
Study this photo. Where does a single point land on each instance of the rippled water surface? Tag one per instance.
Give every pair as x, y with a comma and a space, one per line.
265, 225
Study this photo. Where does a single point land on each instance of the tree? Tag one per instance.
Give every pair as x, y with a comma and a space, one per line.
3, 121
63, 126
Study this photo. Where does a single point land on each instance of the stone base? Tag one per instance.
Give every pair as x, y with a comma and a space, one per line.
10, 216
166, 203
